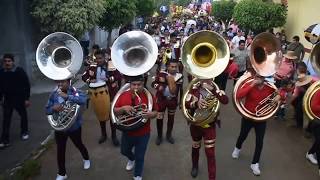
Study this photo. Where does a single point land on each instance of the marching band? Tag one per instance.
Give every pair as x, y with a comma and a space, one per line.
202, 56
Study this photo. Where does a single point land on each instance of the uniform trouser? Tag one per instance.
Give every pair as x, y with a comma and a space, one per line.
61, 141
7, 115
171, 105
139, 143
315, 148
209, 137
260, 129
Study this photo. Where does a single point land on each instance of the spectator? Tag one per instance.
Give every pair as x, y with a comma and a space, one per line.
297, 47
14, 94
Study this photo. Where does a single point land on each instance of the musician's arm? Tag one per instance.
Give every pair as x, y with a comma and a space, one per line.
242, 92
315, 102
50, 103
79, 97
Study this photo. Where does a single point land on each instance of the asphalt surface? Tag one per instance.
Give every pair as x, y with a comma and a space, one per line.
283, 155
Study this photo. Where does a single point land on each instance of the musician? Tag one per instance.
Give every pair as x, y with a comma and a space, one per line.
114, 83
91, 58
139, 138
206, 132
167, 84
96, 76
253, 93
313, 155
64, 92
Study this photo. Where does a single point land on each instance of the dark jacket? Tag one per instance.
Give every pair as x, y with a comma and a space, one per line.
14, 85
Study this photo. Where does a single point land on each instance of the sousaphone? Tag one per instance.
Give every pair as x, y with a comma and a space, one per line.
133, 53
205, 55
59, 56
265, 56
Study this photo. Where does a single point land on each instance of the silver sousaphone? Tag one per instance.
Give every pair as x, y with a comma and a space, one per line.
133, 53
59, 56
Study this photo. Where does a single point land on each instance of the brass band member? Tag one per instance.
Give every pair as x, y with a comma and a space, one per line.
252, 94
96, 76
139, 138
65, 92
313, 155
167, 83
206, 132
91, 57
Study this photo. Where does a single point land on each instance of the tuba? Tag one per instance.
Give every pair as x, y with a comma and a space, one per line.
205, 55
59, 56
133, 53
265, 56
315, 87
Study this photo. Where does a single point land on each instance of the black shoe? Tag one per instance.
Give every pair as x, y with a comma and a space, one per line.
158, 141
115, 141
102, 139
194, 172
170, 139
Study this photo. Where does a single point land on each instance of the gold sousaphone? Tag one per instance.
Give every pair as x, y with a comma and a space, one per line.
265, 56
315, 87
133, 53
205, 55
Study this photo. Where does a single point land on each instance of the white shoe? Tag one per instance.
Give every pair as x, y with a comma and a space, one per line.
255, 169
86, 164
25, 136
311, 158
130, 165
137, 178
59, 177
236, 153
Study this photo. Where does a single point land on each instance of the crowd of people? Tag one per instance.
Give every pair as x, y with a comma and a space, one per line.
104, 81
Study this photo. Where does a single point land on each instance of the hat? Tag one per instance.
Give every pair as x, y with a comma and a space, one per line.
134, 78
303, 79
290, 55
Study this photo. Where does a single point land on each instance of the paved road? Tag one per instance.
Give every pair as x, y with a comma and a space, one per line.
283, 156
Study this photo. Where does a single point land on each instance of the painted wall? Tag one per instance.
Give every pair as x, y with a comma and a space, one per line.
301, 14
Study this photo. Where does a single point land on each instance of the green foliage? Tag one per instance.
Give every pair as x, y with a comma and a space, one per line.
74, 17
145, 7
259, 16
118, 12
29, 169
223, 9
183, 3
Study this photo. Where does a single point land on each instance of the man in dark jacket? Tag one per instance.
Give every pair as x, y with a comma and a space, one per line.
14, 94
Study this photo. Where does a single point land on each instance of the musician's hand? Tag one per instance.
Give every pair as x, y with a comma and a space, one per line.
129, 110
27, 103
63, 95
277, 98
202, 104
220, 92
91, 73
148, 114
93, 80
57, 107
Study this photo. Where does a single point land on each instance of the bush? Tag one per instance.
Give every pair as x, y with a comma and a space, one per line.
258, 16
74, 17
223, 9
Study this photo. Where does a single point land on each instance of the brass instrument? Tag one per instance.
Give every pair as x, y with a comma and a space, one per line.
205, 55
59, 56
315, 87
133, 53
264, 57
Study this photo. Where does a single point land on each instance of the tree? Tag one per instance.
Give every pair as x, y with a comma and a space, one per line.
259, 16
223, 10
183, 3
74, 17
145, 7
118, 12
